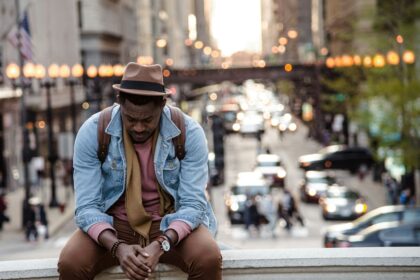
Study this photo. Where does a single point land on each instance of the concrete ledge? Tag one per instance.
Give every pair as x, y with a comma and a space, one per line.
349, 263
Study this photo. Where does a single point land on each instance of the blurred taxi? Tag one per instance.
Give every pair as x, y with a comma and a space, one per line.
315, 184
269, 165
340, 202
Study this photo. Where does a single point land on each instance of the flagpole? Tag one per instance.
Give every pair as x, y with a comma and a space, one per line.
23, 120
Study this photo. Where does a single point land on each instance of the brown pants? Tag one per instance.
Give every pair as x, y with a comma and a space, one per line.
197, 255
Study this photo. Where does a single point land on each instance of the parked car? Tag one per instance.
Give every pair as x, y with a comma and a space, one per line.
271, 168
247, 184
395, 234
340, 202
382, 214
315, 184
337, 157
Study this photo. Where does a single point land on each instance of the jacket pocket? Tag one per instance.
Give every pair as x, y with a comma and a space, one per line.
171, 172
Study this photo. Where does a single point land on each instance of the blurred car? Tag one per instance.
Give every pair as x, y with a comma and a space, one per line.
337, 157
270, 166
275, 119
340, 202
229, 113
315, 184
251, 123
382, 214
388, 234
286, 123
247, 184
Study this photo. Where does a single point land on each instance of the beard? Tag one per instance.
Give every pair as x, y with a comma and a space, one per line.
140, 138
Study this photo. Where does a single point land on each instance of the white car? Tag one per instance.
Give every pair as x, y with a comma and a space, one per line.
251, 123
270, 166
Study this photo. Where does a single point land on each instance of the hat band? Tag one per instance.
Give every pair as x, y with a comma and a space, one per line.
140, 85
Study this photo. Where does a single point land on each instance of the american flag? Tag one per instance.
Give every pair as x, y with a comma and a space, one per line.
26, 47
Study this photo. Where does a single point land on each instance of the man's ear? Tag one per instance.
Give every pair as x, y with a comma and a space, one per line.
163, 102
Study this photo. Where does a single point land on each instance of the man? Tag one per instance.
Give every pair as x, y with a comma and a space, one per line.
142, 205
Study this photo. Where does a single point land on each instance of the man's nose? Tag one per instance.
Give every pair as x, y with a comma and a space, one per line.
139, 127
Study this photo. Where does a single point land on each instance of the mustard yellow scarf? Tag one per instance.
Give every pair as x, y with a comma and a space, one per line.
138, 218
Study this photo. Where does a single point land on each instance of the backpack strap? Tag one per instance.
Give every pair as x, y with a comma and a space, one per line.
179, 141
104, 138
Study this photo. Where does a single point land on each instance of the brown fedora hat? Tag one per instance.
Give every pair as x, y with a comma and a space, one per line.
142, 80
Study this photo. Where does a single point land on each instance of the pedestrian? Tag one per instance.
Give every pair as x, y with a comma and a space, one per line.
291, 209
362, 171
269, 211
3, 206
252, 215
391, 186
406, 198
143, 204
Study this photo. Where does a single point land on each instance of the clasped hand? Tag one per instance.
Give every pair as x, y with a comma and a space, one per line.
138, 263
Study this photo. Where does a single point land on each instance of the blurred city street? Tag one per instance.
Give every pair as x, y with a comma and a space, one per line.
310, 110
240, 156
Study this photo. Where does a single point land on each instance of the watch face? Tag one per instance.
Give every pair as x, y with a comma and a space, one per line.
165, 245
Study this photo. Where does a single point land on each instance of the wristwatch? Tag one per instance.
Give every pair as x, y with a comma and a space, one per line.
165, 245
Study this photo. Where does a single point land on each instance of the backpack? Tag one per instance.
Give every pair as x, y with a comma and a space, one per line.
104, 139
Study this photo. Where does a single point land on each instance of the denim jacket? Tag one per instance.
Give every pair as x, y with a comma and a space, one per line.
98, 187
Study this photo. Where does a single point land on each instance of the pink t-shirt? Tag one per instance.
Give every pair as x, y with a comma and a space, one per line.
150, 197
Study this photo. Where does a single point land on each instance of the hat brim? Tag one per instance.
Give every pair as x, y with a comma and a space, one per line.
141, 92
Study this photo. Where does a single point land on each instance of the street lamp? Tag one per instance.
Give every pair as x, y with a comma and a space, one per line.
393, 58
13, 73
92, 73
53, 73
378, 61
408, 57
77, 73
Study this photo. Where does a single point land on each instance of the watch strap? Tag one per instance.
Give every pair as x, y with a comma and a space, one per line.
162, 239
169, 239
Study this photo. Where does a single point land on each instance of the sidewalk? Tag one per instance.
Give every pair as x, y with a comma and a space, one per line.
13, 236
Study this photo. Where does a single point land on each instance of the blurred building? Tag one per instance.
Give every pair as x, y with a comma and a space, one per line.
348, 25
108, 31
287, 31
174, 33
52, 38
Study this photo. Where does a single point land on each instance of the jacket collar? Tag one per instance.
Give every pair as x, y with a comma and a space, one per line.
168, 129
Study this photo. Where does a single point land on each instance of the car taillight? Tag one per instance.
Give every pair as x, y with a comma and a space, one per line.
344, 244
328, 245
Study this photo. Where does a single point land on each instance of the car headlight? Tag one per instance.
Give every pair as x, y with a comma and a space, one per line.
274, 122
312, 192
236, 127
282, 127
234, 206
360, 208
281, 173
305, 163
292, 127
330, 208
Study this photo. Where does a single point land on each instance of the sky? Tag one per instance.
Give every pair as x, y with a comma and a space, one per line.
236, 25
